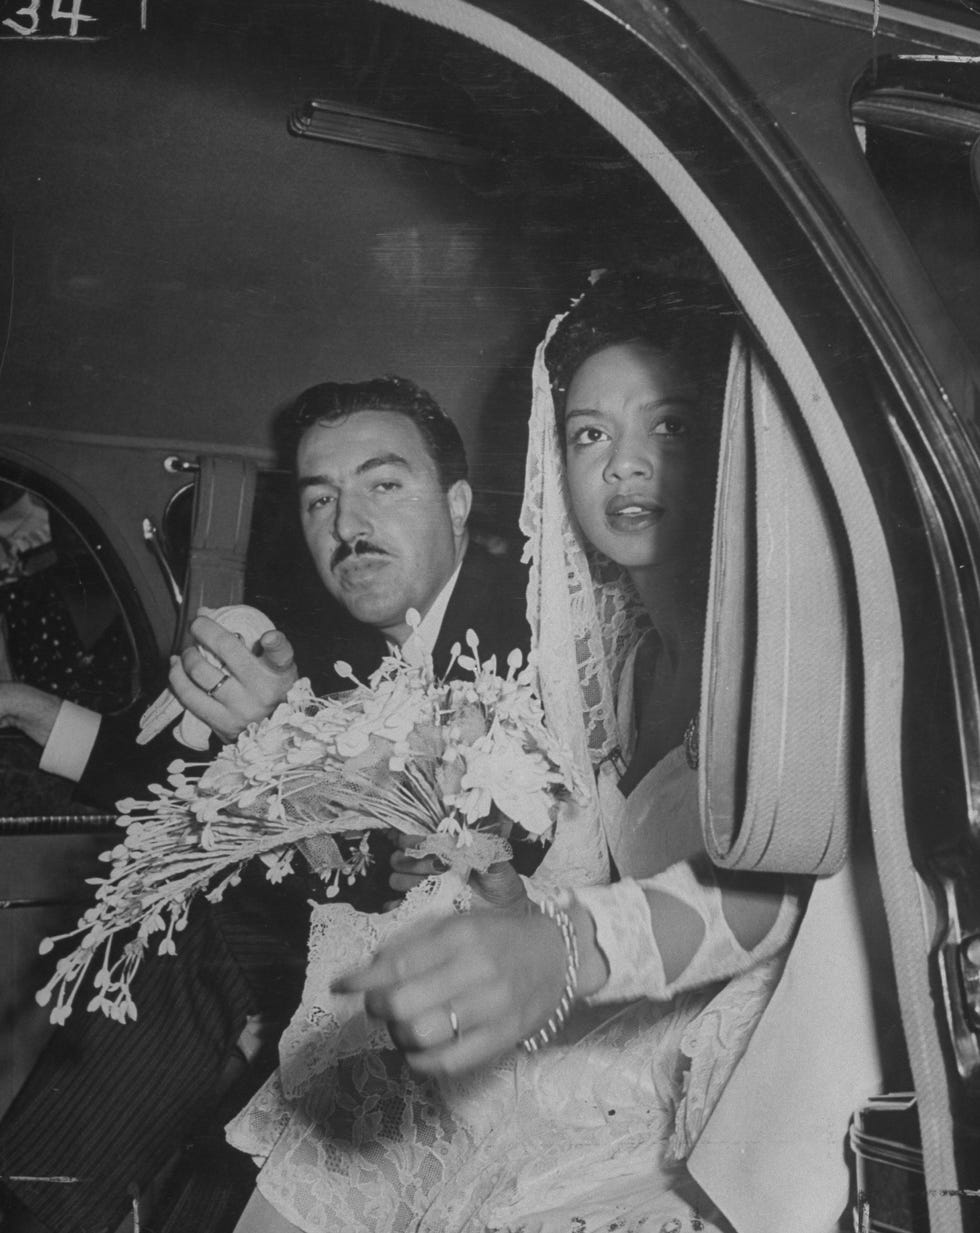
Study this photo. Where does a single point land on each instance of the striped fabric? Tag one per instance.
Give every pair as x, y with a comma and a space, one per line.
108, 1105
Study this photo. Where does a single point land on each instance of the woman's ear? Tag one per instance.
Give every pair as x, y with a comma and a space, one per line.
460, 498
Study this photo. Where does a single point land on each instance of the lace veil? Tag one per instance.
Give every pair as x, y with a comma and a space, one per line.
582, 610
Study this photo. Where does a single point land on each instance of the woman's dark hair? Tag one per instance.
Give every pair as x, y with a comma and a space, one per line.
691, 322
333, 400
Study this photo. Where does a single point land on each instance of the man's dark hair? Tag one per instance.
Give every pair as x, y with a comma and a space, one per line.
688, 321
332, 401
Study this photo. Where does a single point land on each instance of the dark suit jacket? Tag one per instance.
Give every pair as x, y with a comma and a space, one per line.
489, 598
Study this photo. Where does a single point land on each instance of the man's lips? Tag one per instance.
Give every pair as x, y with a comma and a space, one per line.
351, 566
633, 513
358, 567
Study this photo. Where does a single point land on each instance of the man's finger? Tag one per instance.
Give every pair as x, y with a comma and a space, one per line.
193, 682
277, 650
225, 646
198, 670
190, 694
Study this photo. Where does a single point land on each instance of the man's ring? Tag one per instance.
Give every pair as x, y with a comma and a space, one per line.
453, 1022
225, 676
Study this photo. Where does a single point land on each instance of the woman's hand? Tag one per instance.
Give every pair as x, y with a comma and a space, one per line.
500, 887
456, 993
408, 871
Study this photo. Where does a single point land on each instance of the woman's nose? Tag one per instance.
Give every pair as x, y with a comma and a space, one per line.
629, 457
351, 522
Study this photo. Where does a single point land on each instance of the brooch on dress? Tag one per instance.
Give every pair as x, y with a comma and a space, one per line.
691, 743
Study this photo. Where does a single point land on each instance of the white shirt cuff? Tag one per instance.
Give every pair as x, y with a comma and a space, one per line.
70, 744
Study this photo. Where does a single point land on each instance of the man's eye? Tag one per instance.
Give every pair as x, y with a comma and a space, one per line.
323, 501
387, 486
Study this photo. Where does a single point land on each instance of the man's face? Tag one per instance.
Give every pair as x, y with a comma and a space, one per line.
383, 534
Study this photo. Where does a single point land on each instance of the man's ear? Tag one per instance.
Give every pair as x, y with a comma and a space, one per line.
460, 498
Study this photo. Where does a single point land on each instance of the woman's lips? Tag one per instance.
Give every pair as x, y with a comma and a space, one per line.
633, 513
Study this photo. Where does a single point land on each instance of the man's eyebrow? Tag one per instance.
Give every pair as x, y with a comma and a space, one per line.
313, 481
369, 464
383, 460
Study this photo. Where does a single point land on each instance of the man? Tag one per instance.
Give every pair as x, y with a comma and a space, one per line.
387, 532
384, 505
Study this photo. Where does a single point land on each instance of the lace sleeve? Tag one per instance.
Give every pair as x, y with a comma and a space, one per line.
624, 933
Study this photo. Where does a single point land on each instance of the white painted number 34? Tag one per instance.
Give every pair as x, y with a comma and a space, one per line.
60, 11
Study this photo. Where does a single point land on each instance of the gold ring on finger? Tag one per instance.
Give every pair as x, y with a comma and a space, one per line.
225, 676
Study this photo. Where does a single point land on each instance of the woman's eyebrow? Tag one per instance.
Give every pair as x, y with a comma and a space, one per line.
654, 404
571, 414
672, 400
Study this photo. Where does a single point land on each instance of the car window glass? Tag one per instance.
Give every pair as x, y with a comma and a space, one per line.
919, 126
62, 627
62, 630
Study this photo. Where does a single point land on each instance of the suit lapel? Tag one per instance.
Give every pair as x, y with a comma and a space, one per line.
463, 611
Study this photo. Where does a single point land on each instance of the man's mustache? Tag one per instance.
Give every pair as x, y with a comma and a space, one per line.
360, 547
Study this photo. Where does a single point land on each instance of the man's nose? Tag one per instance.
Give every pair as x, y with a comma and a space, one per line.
351, 522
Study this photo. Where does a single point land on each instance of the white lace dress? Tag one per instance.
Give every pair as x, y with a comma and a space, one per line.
585, 1136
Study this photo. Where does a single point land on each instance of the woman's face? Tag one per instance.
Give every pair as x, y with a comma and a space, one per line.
640, 457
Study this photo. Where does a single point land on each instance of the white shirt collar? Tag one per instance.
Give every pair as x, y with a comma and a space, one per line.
427, 633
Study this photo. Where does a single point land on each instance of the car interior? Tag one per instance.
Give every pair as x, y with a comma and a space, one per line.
208, 205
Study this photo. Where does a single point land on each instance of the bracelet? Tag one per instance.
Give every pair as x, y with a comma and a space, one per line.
556, 1022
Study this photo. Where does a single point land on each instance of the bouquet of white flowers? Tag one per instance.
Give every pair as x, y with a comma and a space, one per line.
434, 758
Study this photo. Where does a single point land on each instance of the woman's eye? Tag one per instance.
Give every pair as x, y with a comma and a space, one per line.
672, 426
587, 435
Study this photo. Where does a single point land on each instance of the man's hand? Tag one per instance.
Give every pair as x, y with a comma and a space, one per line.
31, 710
257, 681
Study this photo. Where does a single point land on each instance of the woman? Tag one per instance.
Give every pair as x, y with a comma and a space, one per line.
660, 975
